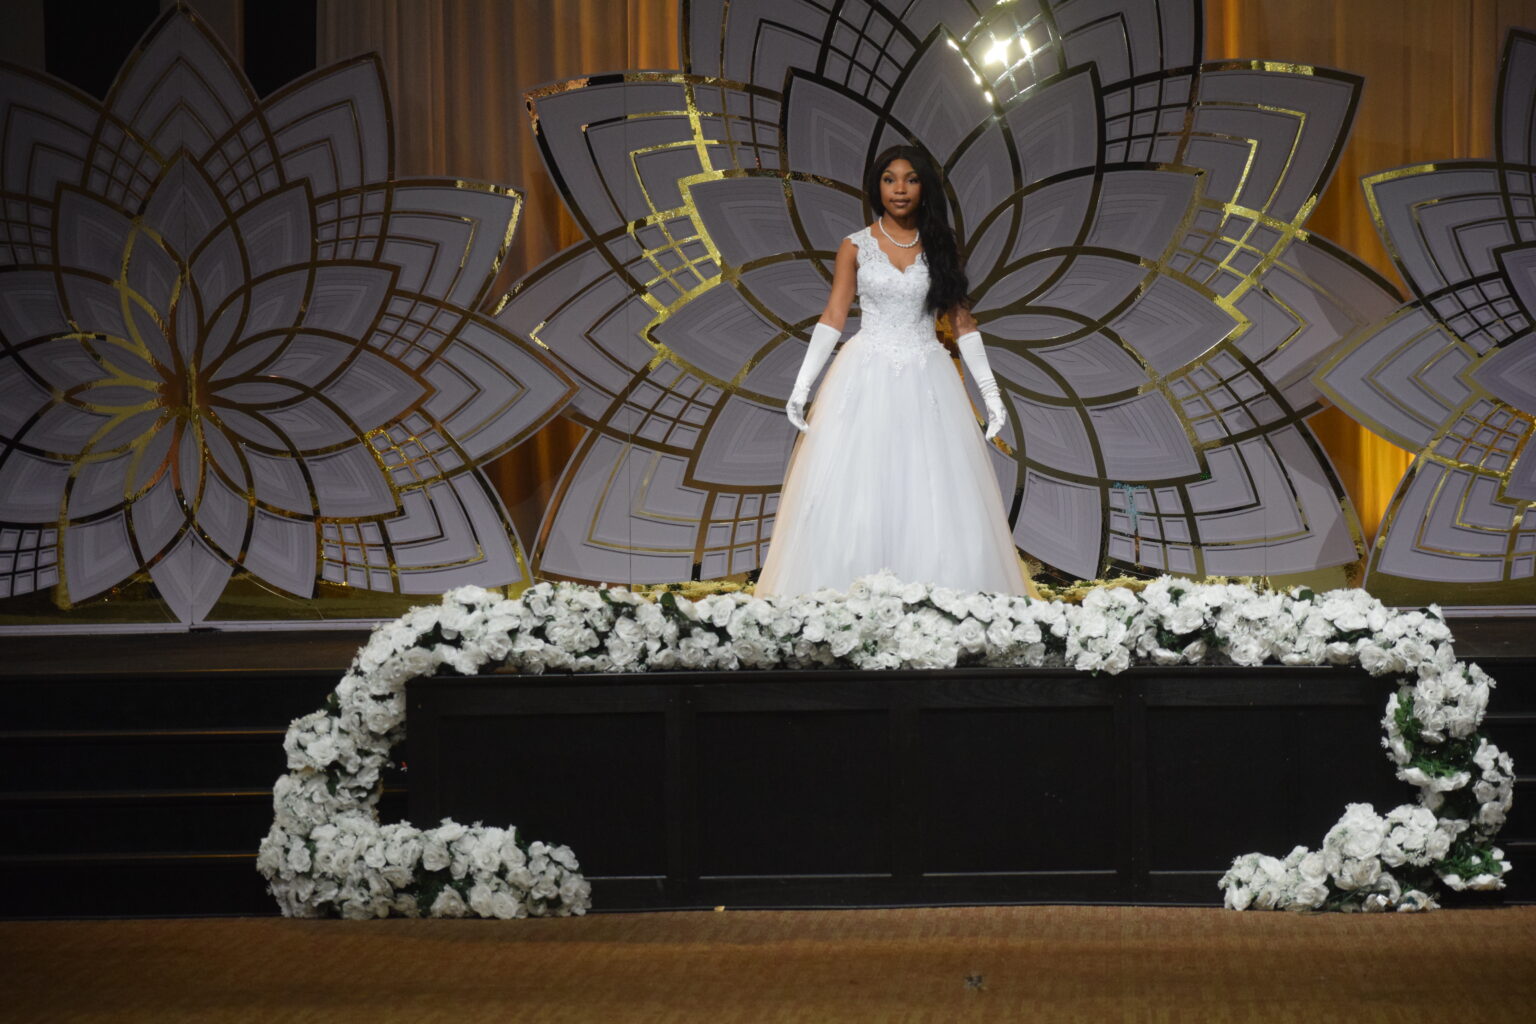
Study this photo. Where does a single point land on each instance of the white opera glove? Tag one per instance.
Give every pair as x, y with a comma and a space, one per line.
823, 338
974, 352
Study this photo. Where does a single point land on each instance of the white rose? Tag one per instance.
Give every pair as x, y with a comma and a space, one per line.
1313, 867
505, 907
1375, 903
842, 642
1358, 874
624, 653
1491, 815
575, 892
1117, 661
374, 855
1360, 832
380, 717
434, 854
486, 852
971, 635
1434, 783
1339, 652
480, 899
1308, 895
449, 903
298, 860
1184, 619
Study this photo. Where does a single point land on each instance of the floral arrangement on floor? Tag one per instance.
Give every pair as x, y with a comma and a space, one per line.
326, 852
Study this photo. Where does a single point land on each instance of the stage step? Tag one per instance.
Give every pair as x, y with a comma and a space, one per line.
138, 770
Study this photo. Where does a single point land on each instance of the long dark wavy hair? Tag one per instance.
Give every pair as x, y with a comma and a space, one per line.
947, 286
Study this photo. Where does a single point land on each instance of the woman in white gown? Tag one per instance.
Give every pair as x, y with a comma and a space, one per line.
890, 470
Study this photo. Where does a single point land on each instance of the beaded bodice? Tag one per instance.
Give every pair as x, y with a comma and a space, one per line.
893, 321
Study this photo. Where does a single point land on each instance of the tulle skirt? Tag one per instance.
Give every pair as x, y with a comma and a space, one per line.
893, 474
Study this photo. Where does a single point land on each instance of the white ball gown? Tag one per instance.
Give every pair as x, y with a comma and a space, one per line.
893, 472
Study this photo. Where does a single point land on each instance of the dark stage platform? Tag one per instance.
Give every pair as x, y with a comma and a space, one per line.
140, 770
773, 789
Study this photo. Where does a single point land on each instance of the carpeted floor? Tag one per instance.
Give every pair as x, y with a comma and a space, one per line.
1091, 964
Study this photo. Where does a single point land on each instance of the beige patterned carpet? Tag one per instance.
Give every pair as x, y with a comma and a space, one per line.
1091, 964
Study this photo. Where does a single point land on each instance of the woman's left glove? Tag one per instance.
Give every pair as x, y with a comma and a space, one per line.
974, 352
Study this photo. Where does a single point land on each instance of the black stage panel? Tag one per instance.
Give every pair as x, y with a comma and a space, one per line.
755, 789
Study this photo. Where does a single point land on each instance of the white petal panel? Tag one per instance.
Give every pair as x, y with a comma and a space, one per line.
348, 483
1170, 324
190, 578
180, 90
97, 555
591, 532
448, 242
938, 101
282, 552
1054, 436
332, 127
48, 133
748, 446
1060, 523
1143, 439
31, 488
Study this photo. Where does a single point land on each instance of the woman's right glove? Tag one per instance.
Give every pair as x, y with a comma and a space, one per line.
974, 351
823, 338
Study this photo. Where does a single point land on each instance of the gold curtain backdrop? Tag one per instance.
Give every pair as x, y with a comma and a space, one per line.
458, 71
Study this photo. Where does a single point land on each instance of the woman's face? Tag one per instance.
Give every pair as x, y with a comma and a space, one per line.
900, 189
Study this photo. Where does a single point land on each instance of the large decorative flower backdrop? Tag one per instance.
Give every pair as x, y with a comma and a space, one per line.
1135, 222
232, 342
238, 355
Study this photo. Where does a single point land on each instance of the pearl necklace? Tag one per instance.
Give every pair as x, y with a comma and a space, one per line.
880, 223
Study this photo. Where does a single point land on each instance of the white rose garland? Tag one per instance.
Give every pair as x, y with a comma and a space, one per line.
327, 853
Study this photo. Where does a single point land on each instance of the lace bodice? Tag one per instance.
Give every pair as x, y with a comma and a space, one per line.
894, 324
893, 321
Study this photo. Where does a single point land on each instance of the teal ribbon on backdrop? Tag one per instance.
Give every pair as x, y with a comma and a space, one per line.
1130, 499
